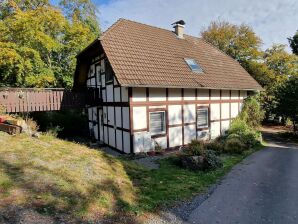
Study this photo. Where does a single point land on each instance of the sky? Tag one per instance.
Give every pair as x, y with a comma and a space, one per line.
272, 20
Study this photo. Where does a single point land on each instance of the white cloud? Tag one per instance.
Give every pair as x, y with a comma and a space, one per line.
272, 20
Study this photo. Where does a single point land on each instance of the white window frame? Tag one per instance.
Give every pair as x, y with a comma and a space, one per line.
201, 109
164, 126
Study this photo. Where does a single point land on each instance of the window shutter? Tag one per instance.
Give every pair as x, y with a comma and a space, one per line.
202, 117
157, 122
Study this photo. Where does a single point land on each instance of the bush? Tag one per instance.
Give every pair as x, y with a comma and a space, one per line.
251, 138
54, 131
234, 145
207, 161
238, 126
233, 135
211, 160
216, 145
195, 148
251, 113
241, 131
32, 125
74, 122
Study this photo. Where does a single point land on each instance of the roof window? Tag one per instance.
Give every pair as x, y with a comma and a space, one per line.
193, 64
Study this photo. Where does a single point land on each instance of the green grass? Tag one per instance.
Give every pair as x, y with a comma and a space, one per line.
60, 178
171, 183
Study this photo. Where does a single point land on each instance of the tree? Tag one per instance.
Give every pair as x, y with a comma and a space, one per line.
83, 11
240, 42
294, 43
281, 62
38, 43
287, 98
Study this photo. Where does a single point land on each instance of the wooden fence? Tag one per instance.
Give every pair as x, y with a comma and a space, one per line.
50, 99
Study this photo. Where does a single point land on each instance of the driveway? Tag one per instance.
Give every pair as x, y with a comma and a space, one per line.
261, 189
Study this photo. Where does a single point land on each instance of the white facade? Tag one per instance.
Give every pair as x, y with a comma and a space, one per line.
109, 120
124, 118
180, 107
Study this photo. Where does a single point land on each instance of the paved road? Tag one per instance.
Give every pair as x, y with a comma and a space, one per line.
262, 189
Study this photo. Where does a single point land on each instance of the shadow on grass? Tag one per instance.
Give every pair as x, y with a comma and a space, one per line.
59, 203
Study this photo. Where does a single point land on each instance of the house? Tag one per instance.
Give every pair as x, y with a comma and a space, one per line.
156, 86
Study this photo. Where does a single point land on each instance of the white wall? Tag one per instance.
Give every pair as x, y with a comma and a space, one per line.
189, 133
175, 136
174, 114
174, 94
139, 94
215, 111
215, 94
225, 110
112, 114
189, 113
234, 110
225, 94
189, 94
156, 94
139, 118
203, 94
162, 142
215, 129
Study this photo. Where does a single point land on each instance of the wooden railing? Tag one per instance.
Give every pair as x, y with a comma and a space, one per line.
49, 99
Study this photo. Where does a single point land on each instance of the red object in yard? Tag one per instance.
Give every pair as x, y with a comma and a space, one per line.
3, 119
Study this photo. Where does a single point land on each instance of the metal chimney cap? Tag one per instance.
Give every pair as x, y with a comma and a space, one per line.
180, 22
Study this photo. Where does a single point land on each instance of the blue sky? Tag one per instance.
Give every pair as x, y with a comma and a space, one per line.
272, 20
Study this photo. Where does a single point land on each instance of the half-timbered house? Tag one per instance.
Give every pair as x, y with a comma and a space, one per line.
156, 86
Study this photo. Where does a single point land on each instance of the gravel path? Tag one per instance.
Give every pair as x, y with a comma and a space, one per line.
261, 189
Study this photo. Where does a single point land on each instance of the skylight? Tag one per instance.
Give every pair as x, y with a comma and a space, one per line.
193, 64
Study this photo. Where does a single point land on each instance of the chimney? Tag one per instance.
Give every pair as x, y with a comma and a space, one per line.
179, 28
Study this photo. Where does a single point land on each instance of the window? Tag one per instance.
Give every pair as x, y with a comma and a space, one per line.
202, 117
109, 72
157, 122
193, 64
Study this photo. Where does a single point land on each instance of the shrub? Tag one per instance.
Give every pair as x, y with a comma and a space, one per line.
238, 126
233, 135
251, 138
234, 145
241, 131
32, 125
251, 113
74, 122
216, 145
207, 161
211, 160
195, 148
54, 131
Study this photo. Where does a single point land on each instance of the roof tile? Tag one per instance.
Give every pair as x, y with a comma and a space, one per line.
143, 55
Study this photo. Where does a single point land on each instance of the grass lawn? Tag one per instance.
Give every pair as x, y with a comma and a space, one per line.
70, 182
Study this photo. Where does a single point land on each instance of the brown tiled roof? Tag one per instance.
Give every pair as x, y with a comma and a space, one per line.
143, 55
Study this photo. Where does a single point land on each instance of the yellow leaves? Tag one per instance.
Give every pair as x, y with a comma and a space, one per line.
40, 43
240, 42
41, 80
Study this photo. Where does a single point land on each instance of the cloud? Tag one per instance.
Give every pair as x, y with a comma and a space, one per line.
272, 20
